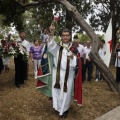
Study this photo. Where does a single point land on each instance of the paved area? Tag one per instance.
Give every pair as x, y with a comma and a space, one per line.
111, 115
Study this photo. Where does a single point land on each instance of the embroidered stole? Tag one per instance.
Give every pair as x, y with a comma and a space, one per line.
57, 84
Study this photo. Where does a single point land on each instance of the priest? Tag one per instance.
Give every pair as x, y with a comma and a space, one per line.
63, 71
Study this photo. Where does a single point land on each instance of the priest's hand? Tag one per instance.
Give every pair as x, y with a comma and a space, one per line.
71, 56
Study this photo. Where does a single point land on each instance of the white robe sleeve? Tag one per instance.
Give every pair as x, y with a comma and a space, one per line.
53, 47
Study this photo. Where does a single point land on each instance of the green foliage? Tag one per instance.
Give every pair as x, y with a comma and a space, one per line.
85, 37
12, 13
82, 37
1, 36
57, 38
103, 12
3, 29
43, 14
41, 17
37, 19
30, 27
66, 20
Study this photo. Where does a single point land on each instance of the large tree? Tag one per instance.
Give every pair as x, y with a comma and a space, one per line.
87, 28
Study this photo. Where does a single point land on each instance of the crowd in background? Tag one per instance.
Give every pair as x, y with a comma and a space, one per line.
35, 51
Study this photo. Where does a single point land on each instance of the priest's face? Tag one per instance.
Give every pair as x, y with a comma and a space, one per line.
65, 37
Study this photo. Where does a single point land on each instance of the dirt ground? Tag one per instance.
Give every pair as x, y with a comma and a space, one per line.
26, 103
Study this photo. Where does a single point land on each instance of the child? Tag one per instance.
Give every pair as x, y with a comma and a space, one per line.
6, 63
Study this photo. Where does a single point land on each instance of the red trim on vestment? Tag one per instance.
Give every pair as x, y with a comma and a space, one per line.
78, 83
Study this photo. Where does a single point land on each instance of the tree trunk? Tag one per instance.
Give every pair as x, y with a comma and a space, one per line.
69, 19
112, 62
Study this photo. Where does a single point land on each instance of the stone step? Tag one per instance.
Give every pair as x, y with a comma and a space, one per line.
111, 115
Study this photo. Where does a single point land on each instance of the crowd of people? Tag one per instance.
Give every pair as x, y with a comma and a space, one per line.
59, 68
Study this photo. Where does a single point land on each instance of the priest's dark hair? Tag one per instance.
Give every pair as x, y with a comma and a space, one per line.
65, 30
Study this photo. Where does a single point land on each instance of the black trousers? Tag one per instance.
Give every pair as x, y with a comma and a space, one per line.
118, 74
1, 64
21, 71
88, 68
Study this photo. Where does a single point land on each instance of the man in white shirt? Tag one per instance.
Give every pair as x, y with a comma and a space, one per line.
88, 65
101, 52
21, 66
117, 63
81, 50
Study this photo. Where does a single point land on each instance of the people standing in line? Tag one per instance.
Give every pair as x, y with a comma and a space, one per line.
21, 66
44, 36
81, 50
117, 62
101, 53
88, 65
36, 55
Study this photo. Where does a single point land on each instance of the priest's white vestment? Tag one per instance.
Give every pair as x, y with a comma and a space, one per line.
61, 99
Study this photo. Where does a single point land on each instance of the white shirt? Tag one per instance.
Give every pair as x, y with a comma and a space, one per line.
102, 52
81, 50
117, 62
26, 44
87, 50
44, 37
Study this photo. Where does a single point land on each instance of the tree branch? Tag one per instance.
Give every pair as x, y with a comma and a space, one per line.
30, 4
